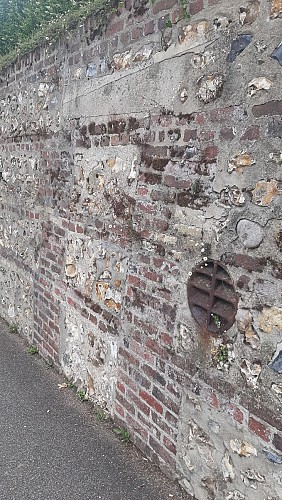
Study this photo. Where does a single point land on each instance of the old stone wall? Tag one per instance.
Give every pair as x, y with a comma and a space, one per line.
133, 161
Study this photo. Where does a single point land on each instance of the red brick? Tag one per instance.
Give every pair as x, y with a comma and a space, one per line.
121, 387
141, 380
179, 361
153, 375
270, 108
214, 401
161, 452
172, 181
200, 119
190, 135
149, 28
93, 319
277, 441
125, 403
145, 326
137, 32
165, 400
259, 429
251, 134
119, 410
166, 338
138, 402
126, 355
178, 14
151, 179
151, 401
236, 413
142, 191
103, 326
227, 133
70, 301
128, 4
139, 349
51, 256
116, 126
157, 348
146, 208
196, 7
135, 281
146, 422
207, 135
115, 27
95, 129
151, 275
223, 115
246, 262
163, 5
171, 419
262, 410
127, 380
209, 153
137, 427
54, 327
169, 445
174, 390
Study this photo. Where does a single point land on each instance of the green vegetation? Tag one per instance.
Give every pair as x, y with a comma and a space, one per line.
216, 320
13, 328
81, 395
26, 24
100, 414
32, 349
122, 434
222, 355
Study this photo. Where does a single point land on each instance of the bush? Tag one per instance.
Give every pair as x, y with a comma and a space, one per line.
26, 23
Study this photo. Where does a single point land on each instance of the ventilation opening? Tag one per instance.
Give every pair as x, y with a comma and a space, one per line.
211, 296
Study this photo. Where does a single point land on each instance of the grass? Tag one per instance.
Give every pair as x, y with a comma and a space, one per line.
81, 395
32, 349
13, 328
222, 355
49, 33
100, 414
216, 320
122, 434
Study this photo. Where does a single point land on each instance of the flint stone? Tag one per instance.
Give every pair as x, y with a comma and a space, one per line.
276, 364
250, 233
238, 45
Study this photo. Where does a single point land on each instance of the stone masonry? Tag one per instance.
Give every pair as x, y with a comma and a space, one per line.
129, 155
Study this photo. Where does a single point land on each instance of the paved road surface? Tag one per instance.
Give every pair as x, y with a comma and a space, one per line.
52, 448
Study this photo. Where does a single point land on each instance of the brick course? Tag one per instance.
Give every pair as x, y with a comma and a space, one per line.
108, 208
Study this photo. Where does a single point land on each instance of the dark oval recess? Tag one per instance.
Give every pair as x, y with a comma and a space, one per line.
211, 296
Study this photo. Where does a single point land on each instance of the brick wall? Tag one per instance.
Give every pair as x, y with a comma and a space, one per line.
129, 155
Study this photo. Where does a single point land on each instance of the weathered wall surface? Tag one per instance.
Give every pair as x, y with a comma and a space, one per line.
128, 158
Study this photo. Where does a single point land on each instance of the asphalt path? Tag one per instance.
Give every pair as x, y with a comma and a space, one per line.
53, 448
